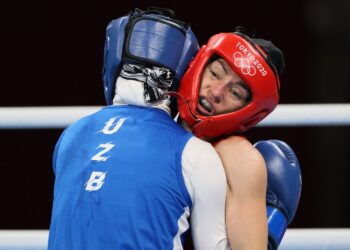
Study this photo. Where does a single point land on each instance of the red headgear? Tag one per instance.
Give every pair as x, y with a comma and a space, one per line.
250, 62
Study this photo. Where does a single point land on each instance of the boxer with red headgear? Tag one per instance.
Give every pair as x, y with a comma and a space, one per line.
231, 85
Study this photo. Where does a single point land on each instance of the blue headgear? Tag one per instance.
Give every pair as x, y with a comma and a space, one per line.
150, 38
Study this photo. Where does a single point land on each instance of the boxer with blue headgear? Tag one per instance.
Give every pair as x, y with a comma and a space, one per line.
128, 176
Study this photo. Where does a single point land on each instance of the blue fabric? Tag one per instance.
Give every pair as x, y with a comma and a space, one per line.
143, 193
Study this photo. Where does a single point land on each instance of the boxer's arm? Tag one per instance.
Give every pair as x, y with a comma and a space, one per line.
284, 187
246, 208
206, 182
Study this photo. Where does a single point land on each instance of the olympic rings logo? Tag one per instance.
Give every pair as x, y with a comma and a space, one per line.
243, 64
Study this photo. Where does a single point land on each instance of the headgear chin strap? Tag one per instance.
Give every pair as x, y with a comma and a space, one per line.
251, 62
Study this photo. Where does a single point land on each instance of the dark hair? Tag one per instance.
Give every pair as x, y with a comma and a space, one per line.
275, 54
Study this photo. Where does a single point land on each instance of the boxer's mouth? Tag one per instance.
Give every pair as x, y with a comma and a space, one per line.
204, 106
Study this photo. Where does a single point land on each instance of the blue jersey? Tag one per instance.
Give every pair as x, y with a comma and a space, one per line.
119, 183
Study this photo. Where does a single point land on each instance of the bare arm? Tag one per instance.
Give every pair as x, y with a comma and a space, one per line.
246, 196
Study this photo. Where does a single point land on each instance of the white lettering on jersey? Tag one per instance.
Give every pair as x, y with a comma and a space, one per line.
112, 127
106, 147
96, 181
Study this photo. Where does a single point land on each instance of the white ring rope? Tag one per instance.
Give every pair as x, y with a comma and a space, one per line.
294, 239
284, 115
309, 115
316, 239
43, 117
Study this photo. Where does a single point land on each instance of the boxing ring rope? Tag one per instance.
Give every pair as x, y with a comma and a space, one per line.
284, 115
290, 115
294, 239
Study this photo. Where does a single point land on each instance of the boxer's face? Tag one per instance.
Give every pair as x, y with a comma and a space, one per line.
222, 90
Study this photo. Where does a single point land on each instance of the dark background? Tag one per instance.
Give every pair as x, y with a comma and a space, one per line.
52, 52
